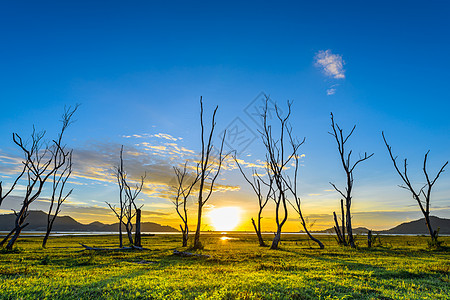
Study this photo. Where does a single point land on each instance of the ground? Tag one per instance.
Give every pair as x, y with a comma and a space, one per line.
399, 268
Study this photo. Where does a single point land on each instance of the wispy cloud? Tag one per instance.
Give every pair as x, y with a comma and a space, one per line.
157, 135
332, 89
331, 64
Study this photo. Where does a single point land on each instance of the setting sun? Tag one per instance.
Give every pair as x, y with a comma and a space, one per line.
225, 218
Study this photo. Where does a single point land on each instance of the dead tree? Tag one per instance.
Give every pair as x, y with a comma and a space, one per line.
422, 196
58, 195
209, 169
340, 238
257, 184
120, 213
60, 177
341, 139
39, 164
292, 186
185, 184
279, 158
127, 209
131, 193
276, 161
340, 231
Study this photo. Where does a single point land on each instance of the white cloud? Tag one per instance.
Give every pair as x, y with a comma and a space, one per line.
147, 135
332, 64
331, 92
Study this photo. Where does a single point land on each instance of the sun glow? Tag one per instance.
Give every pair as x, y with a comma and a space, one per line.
225, 218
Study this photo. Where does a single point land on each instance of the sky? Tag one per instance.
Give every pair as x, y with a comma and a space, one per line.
139, 68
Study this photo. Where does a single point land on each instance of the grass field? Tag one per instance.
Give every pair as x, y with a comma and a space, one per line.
401, 268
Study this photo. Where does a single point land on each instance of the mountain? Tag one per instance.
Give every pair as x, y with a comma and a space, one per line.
38, 222
420, 227
414, 227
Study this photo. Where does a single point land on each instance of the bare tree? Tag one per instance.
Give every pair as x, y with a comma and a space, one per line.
60, 176
277, 162
119, 212
340, 231
422, 196
292, 185
41, 161
257, 183
208, 171
341, 139
279, 158
185, 184
127, 209
132, 210
58, 195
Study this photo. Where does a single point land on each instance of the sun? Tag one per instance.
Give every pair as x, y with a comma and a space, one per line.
225, 218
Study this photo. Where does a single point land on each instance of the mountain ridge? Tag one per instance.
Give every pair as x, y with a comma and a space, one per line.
411, 227
38, 222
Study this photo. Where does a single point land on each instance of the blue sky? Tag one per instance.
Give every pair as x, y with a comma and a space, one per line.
140, 68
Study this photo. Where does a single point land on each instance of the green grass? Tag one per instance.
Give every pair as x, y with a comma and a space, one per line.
401, 268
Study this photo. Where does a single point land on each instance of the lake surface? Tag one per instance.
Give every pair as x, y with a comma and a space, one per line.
81, 233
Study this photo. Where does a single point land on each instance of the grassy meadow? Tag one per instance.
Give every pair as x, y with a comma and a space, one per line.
399, 268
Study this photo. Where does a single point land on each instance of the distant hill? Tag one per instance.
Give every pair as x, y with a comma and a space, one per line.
420, 227
38, 222
413, 227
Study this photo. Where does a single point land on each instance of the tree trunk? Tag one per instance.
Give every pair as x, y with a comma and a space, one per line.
120, 234
349, 227
5, 239
344, 241
369, 238
197, 243
44, 241
185, 239
20, 218
129, 233
336, 228
258, 234
137, 235
276, 240
433, 234
49, 229
11, 242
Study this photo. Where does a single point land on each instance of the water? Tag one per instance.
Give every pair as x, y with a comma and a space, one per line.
92, 233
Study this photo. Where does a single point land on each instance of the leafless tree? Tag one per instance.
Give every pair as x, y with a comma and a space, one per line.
41, 161
422, 196
279, 158
58, 195
277, 162
340, 231
119, 212
185, 184
292, 185
127, 209
258, 183
208, 171
60, 176
341, 139
132, 210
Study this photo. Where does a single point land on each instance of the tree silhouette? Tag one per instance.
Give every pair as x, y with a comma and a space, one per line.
349, 167
209, 169
423, 195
